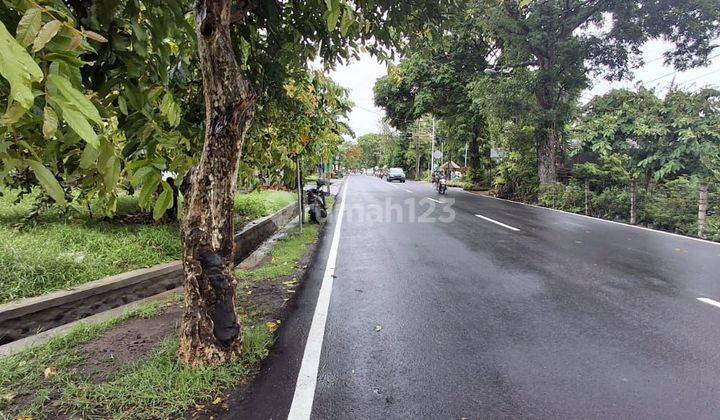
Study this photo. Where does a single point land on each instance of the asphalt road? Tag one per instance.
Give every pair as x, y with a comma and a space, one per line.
473, 307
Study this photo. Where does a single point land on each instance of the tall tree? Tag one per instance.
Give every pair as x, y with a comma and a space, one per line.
435, 77
562, 41
272, 32
622, 129
692, 144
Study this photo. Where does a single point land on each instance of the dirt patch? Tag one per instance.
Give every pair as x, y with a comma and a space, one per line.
129, 341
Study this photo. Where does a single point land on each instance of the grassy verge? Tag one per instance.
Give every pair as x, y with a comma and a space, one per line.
48, 381
58, 251
261, 203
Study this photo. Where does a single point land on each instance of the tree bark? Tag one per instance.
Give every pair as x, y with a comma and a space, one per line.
549, 135
548, 154
210, 332
633, 202
702, 209
479, 159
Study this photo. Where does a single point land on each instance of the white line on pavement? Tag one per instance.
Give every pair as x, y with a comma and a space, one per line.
437, 201
498, 223
407, 190
597, 219
709, 302
302, 403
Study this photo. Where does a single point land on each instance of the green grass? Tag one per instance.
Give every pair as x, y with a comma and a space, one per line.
156, 386
261, 203
287, 252
57, 251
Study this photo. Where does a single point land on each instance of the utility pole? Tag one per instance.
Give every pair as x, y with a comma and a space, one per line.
301, 209
417, 154
432, 149
466, 150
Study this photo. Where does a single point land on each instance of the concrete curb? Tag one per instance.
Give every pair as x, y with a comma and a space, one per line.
28, 317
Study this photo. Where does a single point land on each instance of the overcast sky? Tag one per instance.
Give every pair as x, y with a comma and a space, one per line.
359, 77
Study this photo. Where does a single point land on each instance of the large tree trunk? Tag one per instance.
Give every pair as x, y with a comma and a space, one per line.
210, 332
548, 139
633, 202
547, 151
479, 159
702, 209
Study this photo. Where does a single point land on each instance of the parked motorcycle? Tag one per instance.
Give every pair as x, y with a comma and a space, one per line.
316, 203
441, 185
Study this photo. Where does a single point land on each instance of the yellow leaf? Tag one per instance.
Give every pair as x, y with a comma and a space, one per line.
272, 326
50, 372
95, 36
217, 401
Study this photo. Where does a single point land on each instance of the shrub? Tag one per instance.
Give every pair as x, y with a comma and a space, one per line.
612, 203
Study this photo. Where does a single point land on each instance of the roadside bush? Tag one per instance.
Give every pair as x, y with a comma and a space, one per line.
612, 203
564, 197
516, 178
672, 206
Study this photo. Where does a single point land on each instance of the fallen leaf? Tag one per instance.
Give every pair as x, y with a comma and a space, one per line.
271, 326
378, 328
217, 400
8, 397
50, 372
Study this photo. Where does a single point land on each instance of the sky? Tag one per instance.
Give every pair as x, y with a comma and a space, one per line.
359, 77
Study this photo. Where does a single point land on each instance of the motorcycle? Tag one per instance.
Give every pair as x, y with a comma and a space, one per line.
316, 203
442, 185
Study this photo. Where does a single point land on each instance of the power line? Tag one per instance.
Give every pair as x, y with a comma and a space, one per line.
676, 71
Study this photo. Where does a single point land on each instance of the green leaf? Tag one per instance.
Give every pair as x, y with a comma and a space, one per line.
50, 122
170, 110
47, 181
18, 68
13, 114
89, 156
164, 201
140, 176
333, 15
347, 21
80, 125
148, 189
75, 98
48, 31
123, 105
111, 173
28, 26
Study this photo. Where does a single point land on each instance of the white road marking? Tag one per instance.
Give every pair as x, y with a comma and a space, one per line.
407, 190
437, 201
597, 219
709, 302
514, 229
302, 403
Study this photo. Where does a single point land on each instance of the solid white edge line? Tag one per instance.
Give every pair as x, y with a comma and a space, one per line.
498, 223
597, 219
709, 301
302, 402
437, 201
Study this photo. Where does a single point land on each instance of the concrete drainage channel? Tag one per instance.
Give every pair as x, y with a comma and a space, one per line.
28, 317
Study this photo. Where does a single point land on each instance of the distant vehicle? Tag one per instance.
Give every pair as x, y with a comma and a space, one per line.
396, 174
442, 185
